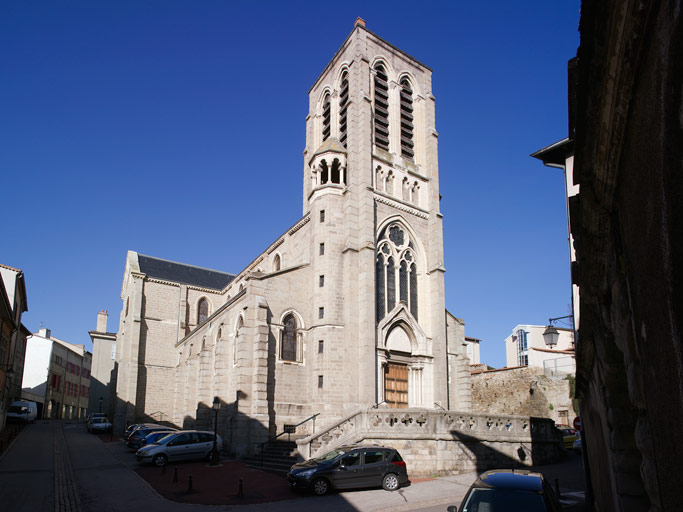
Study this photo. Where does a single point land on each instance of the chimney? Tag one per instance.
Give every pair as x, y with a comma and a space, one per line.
45, 333
359, 21
102, 321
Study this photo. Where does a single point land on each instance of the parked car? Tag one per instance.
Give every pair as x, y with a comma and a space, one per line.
154, 436
132, 428
183, 445
569, 435
508, 489
94, 415
135, 438
350, 467
22, 411
99, 425
577, 446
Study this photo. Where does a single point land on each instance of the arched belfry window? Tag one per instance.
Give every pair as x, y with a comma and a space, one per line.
327, 117
395, 271
288, 345
407, 126
381, 108
343, 104
276, 263
202, 311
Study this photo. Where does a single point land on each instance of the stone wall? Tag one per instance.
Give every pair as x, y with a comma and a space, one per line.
523, 390
444, 442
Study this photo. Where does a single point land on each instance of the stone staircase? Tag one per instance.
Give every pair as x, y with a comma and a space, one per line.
278, 455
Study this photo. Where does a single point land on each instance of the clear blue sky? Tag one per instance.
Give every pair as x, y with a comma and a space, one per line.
176, 129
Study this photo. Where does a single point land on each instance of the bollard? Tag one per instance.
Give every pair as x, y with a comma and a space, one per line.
240, 493
163, 469
189, 485
175, 475
557, 488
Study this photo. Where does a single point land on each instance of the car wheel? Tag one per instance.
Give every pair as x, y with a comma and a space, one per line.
320, 487
390, 482
159, 460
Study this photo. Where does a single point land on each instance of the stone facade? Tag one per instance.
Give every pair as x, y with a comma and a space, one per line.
344, 310
523, 390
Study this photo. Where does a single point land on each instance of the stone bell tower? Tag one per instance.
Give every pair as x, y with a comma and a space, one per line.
371, 187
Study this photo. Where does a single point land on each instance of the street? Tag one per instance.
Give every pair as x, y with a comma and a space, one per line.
58, 465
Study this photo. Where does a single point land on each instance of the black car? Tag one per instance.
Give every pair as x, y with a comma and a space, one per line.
350, 467
507, 489
136, 426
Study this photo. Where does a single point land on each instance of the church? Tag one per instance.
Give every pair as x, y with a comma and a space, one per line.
343, 312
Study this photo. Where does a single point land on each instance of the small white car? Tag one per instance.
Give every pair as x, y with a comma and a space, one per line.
183, 445
97, 425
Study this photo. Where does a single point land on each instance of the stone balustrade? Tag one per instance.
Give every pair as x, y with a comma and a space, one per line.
444, 442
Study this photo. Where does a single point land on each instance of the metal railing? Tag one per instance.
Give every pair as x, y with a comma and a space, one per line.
289, 430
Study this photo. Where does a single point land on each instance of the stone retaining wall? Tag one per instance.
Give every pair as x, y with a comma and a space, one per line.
445, 442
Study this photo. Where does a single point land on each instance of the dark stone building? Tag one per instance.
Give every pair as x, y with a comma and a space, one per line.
626, 124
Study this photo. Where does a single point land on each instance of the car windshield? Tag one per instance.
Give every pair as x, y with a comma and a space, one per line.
17, 409
329, 455
494, 500
165, 439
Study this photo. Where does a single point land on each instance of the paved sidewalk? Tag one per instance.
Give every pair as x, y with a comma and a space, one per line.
58, 466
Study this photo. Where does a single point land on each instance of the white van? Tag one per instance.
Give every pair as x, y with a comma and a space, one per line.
22, 410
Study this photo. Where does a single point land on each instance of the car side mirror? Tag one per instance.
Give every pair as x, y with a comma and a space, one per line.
341, 466
452, 508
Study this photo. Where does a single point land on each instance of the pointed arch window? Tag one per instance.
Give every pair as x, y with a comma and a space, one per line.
407, 126
381, 108
327, 116
276, 263
395, 272
343, 104
202, 311
289, 342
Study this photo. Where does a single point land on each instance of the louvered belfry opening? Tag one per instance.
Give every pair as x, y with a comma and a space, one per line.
407, 127
343, 103
381, 108
326, 117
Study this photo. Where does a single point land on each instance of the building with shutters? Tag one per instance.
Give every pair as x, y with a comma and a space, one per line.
344, 311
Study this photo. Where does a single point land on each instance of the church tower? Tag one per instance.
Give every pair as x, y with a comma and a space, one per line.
371, 188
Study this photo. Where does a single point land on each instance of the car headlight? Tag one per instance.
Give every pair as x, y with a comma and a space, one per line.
306, 474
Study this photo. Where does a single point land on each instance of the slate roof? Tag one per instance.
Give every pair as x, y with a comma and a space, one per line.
182, 273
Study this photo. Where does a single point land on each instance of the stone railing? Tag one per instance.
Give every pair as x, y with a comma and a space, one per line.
444, 441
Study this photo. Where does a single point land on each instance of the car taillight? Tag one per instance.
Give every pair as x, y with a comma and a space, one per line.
400, 463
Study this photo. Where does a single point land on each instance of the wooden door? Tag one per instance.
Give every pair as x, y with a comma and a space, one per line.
396, 386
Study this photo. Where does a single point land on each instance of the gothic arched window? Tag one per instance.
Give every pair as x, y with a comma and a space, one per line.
327, 116
381, 108
343, 101
288, 346
407, 127
202, 311
276, 263
395, 272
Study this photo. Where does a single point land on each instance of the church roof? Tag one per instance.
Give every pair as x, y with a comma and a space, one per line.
182, 273
330, 144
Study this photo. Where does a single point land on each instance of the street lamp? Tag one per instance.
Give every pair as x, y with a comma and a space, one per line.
101, 404
214, 451
551, 335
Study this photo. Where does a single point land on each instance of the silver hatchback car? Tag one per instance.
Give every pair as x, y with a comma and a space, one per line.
183, 445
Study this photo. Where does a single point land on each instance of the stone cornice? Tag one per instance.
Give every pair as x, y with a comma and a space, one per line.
401, 206
300, 224
178, 285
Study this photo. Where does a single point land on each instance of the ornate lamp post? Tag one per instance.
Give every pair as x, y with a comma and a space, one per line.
214, 451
